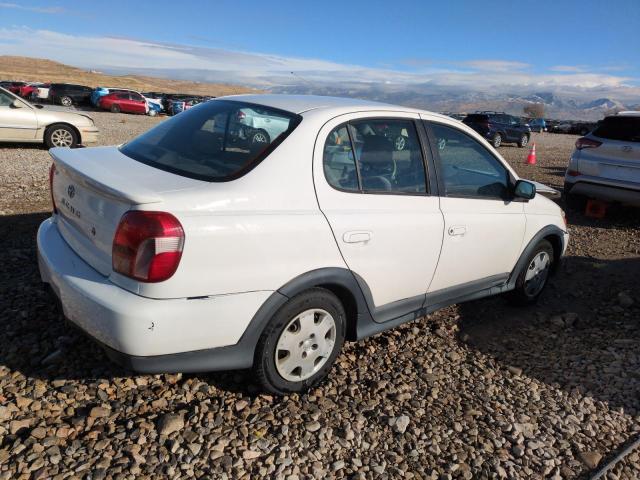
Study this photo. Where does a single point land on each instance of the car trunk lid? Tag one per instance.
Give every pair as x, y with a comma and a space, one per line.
93, 188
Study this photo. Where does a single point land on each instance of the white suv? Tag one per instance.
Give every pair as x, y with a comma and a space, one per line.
190, 249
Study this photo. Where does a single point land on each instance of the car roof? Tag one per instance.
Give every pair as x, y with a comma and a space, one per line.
304, 103
628, 113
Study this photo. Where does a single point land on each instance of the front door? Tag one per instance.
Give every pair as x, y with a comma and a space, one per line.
371, 183
16, 123
484, 229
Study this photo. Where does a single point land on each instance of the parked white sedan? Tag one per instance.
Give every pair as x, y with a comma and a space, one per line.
21, 121
188, 249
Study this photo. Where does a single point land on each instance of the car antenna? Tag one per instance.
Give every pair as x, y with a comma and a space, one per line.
303, 79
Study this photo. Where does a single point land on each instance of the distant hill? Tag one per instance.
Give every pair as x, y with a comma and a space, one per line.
42, 70
443, 99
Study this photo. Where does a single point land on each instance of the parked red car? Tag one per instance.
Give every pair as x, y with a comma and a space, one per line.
128, 102
13, 87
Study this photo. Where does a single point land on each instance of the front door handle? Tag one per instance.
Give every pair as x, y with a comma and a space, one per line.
457, 230
356, 237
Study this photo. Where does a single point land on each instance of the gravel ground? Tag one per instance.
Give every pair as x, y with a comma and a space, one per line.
479, 390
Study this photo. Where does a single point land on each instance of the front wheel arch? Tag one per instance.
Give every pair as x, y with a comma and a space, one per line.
551, 233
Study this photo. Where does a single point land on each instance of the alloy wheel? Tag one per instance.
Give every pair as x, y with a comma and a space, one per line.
61, 138
305, 345
537, 274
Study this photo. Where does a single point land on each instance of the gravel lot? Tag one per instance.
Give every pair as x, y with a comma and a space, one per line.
479, 390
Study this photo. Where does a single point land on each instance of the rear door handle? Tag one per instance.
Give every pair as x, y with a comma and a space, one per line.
457, 230
356, 237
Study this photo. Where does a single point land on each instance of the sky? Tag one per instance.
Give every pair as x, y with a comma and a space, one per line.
589, 44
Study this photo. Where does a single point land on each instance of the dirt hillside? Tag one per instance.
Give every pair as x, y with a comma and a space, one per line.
42, 70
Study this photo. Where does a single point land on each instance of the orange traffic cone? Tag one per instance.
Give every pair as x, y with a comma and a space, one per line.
531, 158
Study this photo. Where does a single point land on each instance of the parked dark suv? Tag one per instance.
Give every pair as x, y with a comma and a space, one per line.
499, 128
67, 94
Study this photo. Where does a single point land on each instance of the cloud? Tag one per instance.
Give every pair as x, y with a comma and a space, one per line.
495, 65
130, 55
569, 68
48, 10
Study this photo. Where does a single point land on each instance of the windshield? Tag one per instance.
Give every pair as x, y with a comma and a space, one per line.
216, 141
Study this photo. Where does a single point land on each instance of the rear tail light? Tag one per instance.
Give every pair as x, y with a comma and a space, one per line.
240, 115
52, 172
147, 246
573, 173
585, 142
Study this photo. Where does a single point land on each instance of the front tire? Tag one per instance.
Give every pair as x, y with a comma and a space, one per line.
533, 278
524, 141
115, 108
66, 101
496, 141
60, 136
301, 342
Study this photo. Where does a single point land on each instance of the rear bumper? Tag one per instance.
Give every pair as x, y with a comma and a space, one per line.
147, 334
627, 193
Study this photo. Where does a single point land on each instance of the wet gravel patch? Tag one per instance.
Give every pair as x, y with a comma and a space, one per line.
479, 390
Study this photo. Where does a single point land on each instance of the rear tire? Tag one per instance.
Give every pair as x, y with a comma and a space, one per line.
496, 141
66, 101
533, 278
575, 202
289, 355
115, 108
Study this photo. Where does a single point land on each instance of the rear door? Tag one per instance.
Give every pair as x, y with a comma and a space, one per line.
618, 156
371, 184
138, 103
484, 230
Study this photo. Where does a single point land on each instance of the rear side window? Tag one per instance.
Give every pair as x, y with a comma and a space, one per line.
216, 141
474, 117
626, 129
375, 156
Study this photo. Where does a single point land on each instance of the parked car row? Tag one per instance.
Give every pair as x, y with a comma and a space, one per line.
115, 99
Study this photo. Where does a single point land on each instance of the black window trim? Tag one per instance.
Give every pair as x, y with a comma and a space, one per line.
426, 159
293, 124
436, 155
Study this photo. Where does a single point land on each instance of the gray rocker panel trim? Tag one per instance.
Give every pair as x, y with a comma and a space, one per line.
385, 317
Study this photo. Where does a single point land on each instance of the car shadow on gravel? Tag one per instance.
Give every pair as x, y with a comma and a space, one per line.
582, 335
34, 338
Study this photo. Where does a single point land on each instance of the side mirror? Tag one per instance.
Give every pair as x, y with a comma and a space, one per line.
524, 189
17, 104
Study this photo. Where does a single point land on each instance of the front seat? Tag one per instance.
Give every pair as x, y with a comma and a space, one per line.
376, 163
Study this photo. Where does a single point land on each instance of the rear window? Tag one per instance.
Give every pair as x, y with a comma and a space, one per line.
216, 141
626, 129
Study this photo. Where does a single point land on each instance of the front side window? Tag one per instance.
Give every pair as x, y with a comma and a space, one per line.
466, 167
216, 141
375, 155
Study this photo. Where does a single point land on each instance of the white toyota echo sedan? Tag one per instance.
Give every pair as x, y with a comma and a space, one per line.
202, 246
